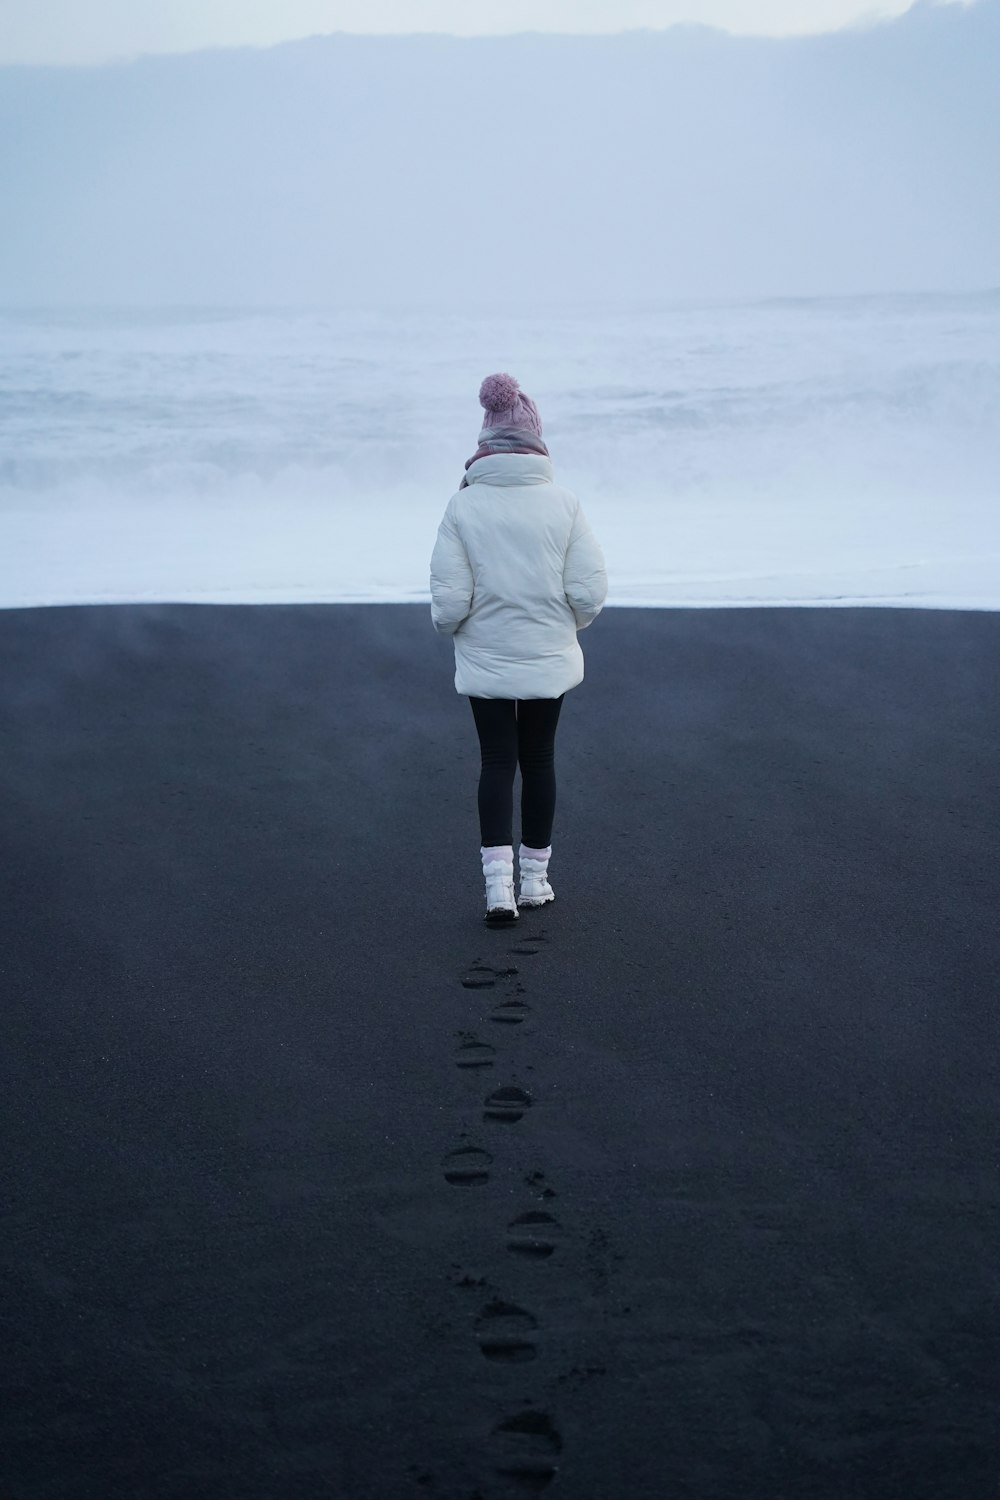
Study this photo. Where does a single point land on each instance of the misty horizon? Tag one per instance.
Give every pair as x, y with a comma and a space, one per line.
682, 166
51, 33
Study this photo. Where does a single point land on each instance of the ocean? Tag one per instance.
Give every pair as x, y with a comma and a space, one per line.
785, 452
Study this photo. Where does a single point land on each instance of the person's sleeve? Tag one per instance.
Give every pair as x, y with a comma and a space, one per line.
585, 578
451, 577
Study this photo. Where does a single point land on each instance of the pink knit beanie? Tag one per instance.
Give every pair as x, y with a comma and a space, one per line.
506, 405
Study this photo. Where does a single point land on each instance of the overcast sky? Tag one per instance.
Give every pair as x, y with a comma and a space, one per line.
89, 31
346, 171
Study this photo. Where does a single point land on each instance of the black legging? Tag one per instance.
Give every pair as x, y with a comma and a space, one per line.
516, 732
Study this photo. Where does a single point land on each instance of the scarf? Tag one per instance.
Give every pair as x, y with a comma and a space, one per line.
505, 440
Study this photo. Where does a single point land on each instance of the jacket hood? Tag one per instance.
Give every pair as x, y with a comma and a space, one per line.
510, 468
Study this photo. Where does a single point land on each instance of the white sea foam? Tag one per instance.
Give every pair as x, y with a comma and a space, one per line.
809, 452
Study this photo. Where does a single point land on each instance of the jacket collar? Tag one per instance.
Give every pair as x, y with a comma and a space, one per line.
510, 468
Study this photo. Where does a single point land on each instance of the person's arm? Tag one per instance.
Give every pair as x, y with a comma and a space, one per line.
585, 578
451, 577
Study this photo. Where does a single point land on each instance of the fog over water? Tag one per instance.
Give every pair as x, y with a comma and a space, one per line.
815, 451
249, 297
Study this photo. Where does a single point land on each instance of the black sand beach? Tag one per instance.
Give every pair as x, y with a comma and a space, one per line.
742, 1241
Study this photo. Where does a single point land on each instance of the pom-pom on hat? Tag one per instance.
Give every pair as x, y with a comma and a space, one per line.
506, 405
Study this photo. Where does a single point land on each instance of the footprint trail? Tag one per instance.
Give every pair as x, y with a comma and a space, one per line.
525, 1446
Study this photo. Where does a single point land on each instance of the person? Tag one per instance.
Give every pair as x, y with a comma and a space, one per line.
516, 573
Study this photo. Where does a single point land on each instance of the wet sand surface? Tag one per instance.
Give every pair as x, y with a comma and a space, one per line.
687, 1186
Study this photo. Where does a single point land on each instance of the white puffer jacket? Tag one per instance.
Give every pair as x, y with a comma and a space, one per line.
516, 572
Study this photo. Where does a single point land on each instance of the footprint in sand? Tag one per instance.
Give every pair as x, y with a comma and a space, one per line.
506, 1105
510, 1012
468, 1166
525, 1447
529, 942
479, 977
472, 1053
484, 976
505, 1333
533, 1235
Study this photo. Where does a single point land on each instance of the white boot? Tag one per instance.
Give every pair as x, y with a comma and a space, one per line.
535, 888
498, 870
